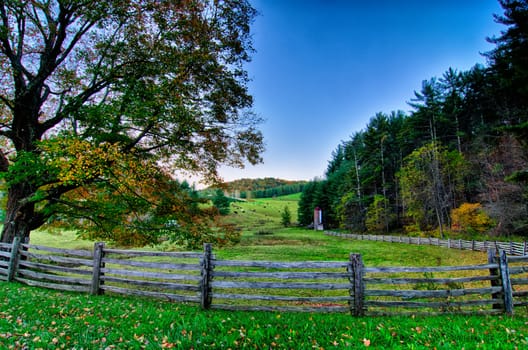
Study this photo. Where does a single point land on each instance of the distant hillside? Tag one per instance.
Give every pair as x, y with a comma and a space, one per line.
262, 188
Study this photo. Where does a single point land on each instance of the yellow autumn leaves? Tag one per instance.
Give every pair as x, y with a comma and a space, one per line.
77, 162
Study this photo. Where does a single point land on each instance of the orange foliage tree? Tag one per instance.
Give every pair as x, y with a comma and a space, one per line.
470, 217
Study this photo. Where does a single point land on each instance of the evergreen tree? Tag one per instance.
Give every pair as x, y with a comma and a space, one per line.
509, 60
306, 204
221, 202
286, 216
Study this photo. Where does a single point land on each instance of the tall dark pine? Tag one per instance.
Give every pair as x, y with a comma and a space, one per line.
509, 60
509, 69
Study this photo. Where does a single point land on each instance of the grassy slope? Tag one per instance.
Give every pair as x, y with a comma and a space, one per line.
262, 215
264, 238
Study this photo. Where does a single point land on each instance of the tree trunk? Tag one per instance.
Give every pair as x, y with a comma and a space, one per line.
20, 214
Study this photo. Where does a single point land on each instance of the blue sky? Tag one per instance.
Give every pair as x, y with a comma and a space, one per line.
323, 68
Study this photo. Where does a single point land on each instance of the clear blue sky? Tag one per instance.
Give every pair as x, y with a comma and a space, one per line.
323, 68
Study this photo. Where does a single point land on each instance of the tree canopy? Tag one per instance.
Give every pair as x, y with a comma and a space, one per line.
102, 102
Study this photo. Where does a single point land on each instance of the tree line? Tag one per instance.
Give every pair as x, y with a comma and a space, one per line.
260, 188
457, 162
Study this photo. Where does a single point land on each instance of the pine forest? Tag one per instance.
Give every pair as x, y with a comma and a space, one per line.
456, 164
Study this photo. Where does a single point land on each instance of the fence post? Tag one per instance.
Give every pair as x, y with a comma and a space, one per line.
507, 292
494, 274
96, 270
524, 248
357, 290
13, 260
205, 284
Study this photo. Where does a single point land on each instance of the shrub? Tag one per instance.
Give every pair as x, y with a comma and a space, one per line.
379, 215
470, 217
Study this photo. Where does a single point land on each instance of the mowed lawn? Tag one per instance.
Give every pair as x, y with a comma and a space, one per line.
33, 318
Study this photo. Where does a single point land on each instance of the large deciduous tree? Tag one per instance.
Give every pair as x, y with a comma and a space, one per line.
431, 183
102, 101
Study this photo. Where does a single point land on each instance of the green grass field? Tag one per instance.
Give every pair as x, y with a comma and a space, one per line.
33, 318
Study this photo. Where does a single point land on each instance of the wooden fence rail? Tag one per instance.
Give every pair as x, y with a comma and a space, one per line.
512, 248
498, 286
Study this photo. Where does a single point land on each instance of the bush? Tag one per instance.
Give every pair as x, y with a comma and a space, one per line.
470, 218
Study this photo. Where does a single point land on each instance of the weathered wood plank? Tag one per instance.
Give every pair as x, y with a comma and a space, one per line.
152, 265
521, 303
14, 259
144, 293
357, 287
70, 252
433, 313
405, 280
56, 286
278, 285
206, 291
519, 281
52, 268
430, 304
5, 254
283, 265
327, 309
53, 278
97, 264
516, 259
57, 259
268, 297
150, 274
506, 284
281, 275
520, 293
153, 284
396, 269
443, 293
132, 253
516, 270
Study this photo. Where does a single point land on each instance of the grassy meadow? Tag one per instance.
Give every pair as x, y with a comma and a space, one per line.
33, 318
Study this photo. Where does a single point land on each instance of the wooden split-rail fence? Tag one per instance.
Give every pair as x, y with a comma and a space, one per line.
499, 285
512, 248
